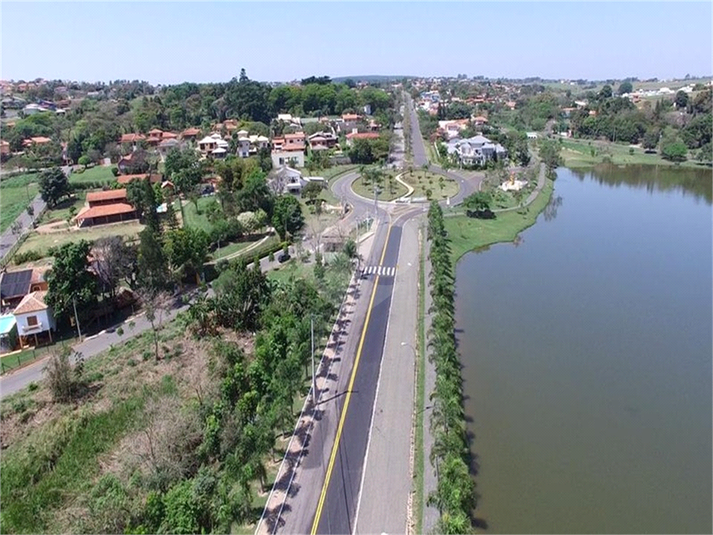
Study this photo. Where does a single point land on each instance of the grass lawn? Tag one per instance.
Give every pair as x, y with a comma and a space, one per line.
193, 217
422, 181
385, 194
42, 242
468, 233
15, 360
230, 249
292, 269
15, 196
98, 173
587, 153
61, 211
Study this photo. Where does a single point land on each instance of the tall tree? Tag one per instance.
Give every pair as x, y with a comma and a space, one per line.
152, 265
54, 185
70, 282
287, 216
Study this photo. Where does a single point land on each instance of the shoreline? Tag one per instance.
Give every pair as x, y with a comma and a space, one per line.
470, 234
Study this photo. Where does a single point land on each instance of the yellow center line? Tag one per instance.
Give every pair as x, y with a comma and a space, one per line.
335, 446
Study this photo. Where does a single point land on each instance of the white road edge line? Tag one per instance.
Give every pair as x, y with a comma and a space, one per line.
373, 411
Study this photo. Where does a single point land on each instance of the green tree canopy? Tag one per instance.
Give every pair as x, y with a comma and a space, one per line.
70, 282
287, 215
54, 185
675, 152
625, 87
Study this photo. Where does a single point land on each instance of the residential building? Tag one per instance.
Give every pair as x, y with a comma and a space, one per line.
4, 147
243, 149
190, 134
322, 140
477, 150
35, 319
110, 206
40, 140
214, 146
132, 138
360, 135
15, 285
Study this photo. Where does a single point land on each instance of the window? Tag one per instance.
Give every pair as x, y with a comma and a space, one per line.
32, 321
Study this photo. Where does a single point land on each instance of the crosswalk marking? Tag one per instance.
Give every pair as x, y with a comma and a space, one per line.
382, 271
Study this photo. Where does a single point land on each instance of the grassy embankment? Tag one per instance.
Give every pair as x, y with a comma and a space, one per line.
578, 153
468, 233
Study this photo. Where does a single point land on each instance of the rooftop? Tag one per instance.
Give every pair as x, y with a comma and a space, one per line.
106, 210
108, 195
33, 302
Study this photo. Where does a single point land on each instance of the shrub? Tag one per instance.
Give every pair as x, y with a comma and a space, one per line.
63, 378
27, 256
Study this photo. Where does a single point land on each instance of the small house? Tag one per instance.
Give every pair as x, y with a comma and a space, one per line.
34, 318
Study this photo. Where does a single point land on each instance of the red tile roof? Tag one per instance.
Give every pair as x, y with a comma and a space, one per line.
298, 135
190, 132
36, 141
155, 131
33, 302
106, 210
108, 195
294, 147
168, 135
131, 138
350, 117
363, 135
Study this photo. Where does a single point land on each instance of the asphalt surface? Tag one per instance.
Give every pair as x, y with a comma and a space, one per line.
8, 238
339, 510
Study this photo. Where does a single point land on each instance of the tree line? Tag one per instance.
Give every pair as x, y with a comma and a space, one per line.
455, 495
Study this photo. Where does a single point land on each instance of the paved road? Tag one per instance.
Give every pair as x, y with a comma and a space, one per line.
8, 238
420, 158
355, 452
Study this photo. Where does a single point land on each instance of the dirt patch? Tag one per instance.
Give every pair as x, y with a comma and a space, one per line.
57, 226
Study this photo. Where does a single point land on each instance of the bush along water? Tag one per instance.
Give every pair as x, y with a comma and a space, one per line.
455, 495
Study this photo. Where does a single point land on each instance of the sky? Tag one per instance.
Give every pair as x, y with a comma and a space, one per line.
172, 42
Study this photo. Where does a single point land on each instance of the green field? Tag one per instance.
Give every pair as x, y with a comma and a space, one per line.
97, 173
586, 153
196, 218
16, 193
43, 241
467, 233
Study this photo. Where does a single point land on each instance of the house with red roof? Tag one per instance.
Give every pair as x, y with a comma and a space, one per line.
108, 206
360, 135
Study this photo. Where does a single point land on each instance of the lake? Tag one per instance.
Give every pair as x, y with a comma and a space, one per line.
587, 354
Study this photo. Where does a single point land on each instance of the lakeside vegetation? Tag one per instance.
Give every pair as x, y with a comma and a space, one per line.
455, 495
467, 234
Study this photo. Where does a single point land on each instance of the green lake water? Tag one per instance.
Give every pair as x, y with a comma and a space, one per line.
587, 355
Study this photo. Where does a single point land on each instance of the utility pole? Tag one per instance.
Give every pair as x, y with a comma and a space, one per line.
314, 378
76, 318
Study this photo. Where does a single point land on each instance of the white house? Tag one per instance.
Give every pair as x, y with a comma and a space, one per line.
34, 318
532, 135
476, 150
243, 146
